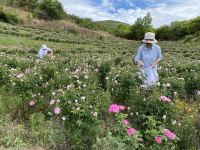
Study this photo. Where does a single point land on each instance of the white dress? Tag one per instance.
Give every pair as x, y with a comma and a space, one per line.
150, 75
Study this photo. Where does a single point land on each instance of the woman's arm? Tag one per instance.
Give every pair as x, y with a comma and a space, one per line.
159, 58
155, 63
138, 58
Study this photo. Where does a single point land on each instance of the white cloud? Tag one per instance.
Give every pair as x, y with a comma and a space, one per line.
107, 3
84, 8
162, 13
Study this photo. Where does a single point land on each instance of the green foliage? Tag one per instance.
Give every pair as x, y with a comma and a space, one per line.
83, 112
141, 26
46, 133
119, 29
8, 103
8, 17
45, 9
53, 9
11, 136
103, 71
28, 4
115, 135
179, 29
122, 30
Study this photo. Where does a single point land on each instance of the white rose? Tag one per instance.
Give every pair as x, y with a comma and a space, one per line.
164, 117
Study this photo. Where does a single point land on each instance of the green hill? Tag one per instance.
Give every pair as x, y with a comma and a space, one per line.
117, 28
111, 23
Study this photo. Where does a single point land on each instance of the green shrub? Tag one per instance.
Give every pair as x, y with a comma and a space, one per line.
83, 112
12, 136
8, 17
46, 133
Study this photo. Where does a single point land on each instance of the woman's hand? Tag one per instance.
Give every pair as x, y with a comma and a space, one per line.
140, 64
153, 65
50, 53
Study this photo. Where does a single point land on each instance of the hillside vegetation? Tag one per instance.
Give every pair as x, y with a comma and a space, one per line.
53, 10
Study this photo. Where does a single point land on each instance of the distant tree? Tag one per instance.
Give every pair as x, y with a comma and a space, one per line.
194, 25
53, 9
141, 26
147, 21
163, 32
122, 30
44, 9
87, 23
179, 29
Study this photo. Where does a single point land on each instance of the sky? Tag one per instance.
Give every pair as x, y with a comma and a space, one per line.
162, 11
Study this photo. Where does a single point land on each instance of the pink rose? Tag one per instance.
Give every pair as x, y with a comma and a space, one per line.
131, 131
31, 103
52, 102
57, 110
165, 99
115, 108
169, 134
125, 122
158, 139
121, 107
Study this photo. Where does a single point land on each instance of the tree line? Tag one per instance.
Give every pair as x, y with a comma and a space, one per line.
179, 29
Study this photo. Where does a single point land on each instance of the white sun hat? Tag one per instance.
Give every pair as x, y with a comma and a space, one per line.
44, 47
149, 37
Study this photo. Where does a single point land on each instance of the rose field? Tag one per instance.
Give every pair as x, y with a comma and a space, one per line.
90, 94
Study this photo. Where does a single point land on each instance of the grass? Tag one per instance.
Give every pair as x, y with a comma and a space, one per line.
10, 41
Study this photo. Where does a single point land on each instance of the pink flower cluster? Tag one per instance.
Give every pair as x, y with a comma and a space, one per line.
115, 108
131, 131
169, 134
165, 99
125, 122
158, 139
198, 92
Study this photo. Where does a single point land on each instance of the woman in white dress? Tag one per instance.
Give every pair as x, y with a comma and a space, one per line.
148, 56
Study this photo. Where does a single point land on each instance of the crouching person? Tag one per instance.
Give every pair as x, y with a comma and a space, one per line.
44, 51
